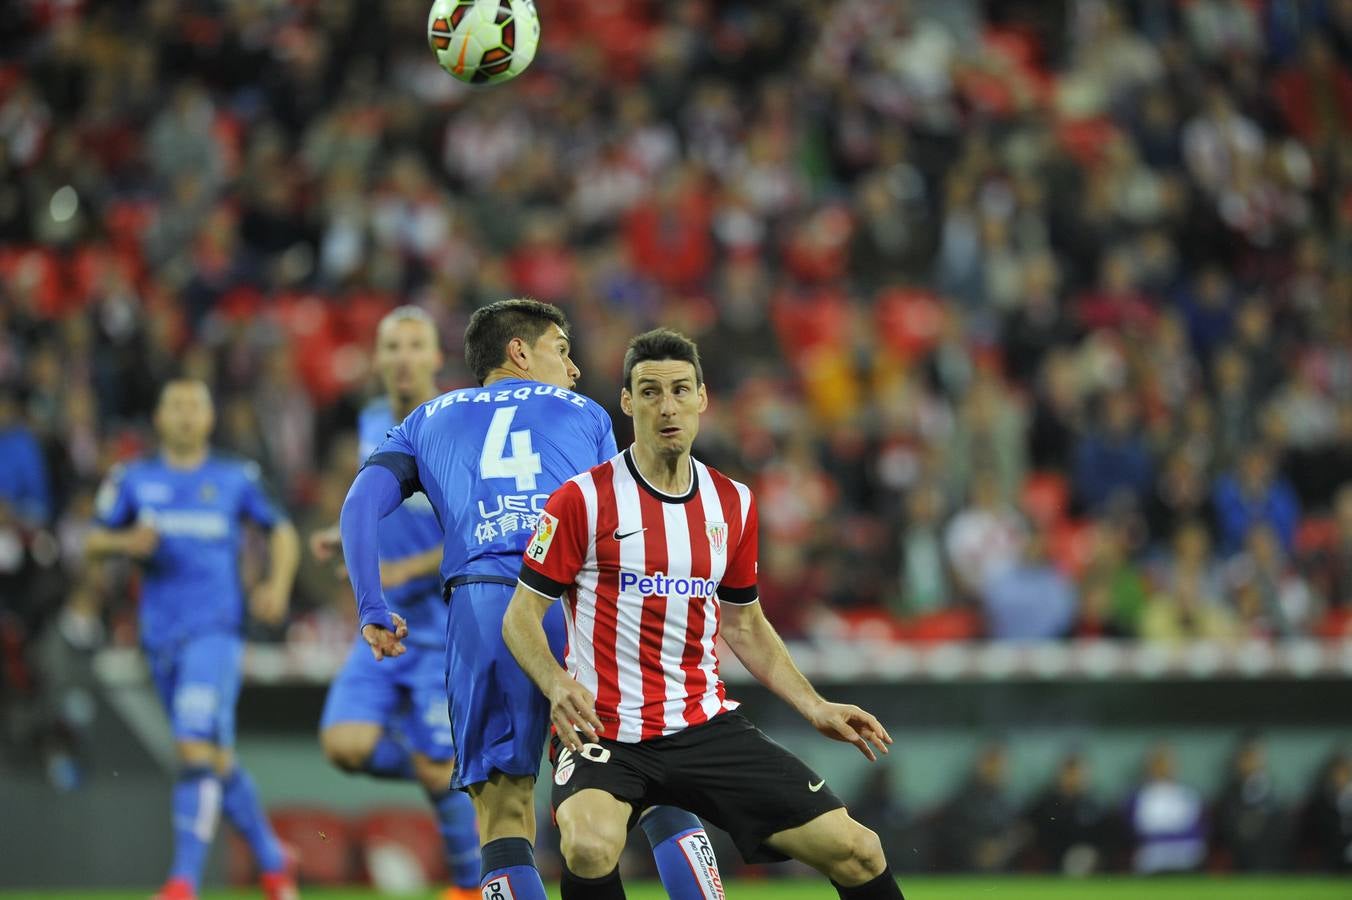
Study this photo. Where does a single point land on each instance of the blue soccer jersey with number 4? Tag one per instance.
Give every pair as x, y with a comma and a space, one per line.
488, 458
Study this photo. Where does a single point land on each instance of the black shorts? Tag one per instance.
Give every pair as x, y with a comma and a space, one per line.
726, 771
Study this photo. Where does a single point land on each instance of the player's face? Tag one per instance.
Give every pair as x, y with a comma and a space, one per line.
184, 417
666, 404
407, 358
551, 360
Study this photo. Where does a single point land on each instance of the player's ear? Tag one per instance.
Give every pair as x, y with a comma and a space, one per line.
703, 398
626, 402
518, 354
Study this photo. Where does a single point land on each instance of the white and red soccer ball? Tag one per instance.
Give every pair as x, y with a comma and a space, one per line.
483, 41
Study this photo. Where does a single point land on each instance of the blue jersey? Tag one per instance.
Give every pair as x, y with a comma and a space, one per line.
488, 458
191, 584
410, 530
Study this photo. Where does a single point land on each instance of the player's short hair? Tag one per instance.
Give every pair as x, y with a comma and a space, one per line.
408, 313
493, 326
661, 343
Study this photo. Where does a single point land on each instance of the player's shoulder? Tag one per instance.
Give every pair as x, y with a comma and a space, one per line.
233, 466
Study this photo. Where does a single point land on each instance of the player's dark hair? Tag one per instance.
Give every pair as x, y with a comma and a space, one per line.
493, 326
661, 343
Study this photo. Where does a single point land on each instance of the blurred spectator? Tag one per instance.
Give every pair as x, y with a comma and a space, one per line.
1252, 494
1270, 597
1250, 826
985, 538
1068, 822
878, 806
1113, 572
1166, 819
1330, 559
1327, 823
1180, 495
1113, 460
926, 585
980, 829
1189, 598
23, 477
1029, 600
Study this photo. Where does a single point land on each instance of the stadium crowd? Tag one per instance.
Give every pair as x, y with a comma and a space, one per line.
1025, 320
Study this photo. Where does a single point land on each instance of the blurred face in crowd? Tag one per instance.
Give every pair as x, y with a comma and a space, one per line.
408, 359
665, 402
184, 416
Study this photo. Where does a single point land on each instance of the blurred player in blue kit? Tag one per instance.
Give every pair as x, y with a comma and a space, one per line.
488, 458
389, 719
179, 515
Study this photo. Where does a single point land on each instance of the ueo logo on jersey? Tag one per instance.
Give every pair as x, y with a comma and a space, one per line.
544, 536
659, 585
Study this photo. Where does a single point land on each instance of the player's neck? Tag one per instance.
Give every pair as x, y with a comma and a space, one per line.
184, 459
666, 473
502, 373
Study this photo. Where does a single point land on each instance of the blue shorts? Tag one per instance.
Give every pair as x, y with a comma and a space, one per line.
499, 718
198, 683
407, 692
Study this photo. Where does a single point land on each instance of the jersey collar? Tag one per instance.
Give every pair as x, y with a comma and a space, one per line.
661, 495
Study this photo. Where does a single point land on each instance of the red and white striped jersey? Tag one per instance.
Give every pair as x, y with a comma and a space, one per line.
642, 574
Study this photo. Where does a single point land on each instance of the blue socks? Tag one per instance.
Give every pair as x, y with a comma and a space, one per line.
246, 814
390, 759
685, 858
459, 835
197, 807
509, 870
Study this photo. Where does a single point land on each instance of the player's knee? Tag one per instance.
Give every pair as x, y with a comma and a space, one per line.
858, 856
433, 774
344, 751
590, 852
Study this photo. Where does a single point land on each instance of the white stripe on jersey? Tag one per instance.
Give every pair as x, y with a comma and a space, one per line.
679, 565
713, 512
581, 659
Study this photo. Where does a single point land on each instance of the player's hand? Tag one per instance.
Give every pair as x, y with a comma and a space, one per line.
268, 603
384, 642
851, 725
326, 543
142, 540
572, 709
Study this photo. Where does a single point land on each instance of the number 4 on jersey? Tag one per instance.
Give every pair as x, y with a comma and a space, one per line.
523, 464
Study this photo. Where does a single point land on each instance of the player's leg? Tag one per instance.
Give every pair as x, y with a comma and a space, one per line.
593, 825
772, 804
218, 657
354, 729
196, 796
844, 851
499, 721
683, 853
427, 726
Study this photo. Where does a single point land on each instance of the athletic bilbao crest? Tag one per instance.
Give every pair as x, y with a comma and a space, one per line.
544, 536
718, 536
563, 769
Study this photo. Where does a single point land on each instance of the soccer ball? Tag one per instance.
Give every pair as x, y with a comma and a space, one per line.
483, 41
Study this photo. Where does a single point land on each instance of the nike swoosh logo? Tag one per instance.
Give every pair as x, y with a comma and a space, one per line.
459, 66
816, 787
620, 537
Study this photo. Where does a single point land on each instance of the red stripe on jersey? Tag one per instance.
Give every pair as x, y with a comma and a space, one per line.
696, 681
652, 620
607, 594
731, 501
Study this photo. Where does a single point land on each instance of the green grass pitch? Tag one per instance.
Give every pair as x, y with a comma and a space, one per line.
1009, 888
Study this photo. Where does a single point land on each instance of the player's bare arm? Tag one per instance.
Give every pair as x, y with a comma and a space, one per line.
759, 647
572, 708
137, 542
395, 572
270, 598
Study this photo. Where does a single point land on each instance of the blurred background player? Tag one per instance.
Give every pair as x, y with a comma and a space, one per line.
658, 557
391, 720
179, 514
488, 458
